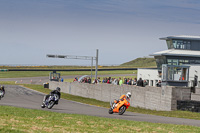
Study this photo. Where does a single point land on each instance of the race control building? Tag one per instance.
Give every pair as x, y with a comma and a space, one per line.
177, 66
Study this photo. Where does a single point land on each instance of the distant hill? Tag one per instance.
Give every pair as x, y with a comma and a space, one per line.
141, 62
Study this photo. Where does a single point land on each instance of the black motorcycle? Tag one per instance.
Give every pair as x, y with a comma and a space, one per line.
50, 102
1, 94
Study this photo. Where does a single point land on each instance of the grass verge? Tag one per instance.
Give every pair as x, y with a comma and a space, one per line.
178, 114
18, 74
19, 120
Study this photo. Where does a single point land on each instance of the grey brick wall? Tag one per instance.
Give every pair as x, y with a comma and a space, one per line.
149, 97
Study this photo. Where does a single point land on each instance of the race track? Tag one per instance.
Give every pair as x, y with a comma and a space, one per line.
26, 98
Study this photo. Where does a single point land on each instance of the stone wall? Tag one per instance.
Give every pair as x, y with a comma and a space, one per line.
149, 97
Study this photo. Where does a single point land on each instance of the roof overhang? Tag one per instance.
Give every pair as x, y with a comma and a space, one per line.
174, 52
181, 37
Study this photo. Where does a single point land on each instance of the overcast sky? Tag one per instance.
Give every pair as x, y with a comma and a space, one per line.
122, 30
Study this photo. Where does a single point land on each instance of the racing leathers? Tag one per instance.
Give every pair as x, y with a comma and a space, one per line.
51, 94
3, 90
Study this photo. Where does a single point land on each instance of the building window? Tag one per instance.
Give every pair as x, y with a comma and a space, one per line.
172, 61
180, 44
173, 73
181, 61
169, 44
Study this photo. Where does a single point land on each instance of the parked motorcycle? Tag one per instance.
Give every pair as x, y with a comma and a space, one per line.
119, 107
50, 102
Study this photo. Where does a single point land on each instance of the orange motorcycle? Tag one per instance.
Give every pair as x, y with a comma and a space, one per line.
119, 107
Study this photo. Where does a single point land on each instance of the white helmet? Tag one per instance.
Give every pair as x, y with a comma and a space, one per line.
128, 95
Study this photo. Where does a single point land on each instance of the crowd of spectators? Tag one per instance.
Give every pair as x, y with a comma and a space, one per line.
115, 81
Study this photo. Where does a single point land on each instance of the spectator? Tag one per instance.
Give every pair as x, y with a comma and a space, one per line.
98, 80
140, 82
158, 84
75, 79
85, 80
94, 81
104, 80
134, 81
89, 80
145, 83
61, 80
129, 81
120, 81
113, 81
125, 80
109, 80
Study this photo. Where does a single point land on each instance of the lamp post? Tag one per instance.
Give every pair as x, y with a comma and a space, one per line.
80, 58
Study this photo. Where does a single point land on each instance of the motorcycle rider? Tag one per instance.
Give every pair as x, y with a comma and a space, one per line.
56, 91
3, 90
127, 96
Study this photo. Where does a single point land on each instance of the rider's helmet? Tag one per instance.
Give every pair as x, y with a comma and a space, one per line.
58, 89
128, 95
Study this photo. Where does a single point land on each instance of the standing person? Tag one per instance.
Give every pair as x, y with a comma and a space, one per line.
158, 84
125, 80
135, 81
109, 80
145, 83
129, 82
120, 81
98, 80
140, 82
75, 79
89, 80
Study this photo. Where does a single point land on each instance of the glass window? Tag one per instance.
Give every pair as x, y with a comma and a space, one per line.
169, 44
180, 44
170, 73
192, 61
159, 61
177, 73
197, 61
186, 61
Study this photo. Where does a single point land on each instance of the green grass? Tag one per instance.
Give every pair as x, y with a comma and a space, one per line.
19, 120
17, 74
141, 62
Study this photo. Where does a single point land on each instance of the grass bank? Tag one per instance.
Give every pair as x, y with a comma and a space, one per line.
19, 120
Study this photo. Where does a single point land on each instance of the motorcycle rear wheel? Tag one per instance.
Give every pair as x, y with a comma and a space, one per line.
122, 110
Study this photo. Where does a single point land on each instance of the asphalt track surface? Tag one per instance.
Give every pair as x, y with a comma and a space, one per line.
23, 97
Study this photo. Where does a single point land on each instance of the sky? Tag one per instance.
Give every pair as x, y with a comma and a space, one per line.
122, 30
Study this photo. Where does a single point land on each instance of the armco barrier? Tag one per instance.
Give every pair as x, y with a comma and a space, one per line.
154, 98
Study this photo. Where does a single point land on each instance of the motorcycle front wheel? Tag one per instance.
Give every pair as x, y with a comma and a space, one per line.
50, 105
110, 111
122, 110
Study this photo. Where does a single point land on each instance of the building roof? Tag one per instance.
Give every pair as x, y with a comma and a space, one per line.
175, 52
181, 37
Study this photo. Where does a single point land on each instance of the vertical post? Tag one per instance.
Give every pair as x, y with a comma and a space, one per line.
96, 63
91, 68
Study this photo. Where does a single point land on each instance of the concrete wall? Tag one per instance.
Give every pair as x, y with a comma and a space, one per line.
149, 97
